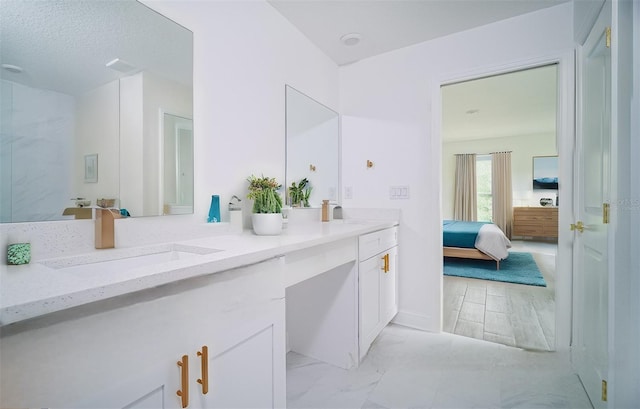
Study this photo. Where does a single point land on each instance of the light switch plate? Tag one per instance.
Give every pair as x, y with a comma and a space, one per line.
399, 192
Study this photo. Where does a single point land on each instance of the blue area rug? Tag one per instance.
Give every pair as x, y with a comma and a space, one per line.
518, 268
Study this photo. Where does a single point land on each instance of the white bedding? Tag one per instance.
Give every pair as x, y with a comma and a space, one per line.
492, 241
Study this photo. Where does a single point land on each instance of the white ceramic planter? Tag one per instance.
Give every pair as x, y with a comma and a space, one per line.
266, 224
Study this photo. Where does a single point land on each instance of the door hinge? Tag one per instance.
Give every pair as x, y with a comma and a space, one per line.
604, 390
605, 213
607, 34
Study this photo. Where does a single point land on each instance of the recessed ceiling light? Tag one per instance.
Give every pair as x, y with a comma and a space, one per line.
350, 39
472, 111
12, 68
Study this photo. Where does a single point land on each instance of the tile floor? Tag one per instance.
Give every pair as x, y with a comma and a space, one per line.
510, 314
407, 368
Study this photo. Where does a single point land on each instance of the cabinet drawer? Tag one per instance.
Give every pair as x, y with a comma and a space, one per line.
551, 230
521, 212
522, 229
371, 244
536, 217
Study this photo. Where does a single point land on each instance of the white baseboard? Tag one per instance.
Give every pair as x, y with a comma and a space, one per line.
417, 321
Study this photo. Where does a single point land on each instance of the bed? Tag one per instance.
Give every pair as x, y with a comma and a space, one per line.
474, 240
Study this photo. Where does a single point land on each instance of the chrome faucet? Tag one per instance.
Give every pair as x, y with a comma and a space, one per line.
105, 229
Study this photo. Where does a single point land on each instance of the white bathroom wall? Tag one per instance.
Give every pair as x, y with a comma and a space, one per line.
144, 97
132, 152
523, 148
37, 127
160, 95
97, 119
387, 118
244, 54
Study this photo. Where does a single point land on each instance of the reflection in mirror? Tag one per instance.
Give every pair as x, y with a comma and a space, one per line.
313, 146
94, 89
178, 165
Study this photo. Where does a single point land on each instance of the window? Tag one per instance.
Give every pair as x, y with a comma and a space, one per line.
483, 184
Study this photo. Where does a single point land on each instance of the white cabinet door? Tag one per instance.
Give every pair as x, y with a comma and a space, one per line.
389, 288
369, 294
241, 376
378, 293
153, 388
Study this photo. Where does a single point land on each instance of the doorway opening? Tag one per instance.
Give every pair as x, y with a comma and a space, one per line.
514, 112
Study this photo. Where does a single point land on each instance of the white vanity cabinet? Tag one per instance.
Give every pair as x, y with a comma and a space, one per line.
377, 272
123, 352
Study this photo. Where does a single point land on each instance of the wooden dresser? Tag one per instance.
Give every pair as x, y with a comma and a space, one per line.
535, 222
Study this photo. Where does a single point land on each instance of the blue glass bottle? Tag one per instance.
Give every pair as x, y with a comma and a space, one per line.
214, 210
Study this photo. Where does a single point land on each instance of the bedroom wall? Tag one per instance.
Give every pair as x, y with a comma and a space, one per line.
523, 147
387, 117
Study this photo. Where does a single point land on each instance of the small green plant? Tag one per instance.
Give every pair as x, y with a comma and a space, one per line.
300, 193
264, 192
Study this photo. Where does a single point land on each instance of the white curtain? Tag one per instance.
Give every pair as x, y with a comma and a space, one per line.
502, 191
465, 202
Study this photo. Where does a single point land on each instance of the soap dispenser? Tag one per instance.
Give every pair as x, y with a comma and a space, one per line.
325, 211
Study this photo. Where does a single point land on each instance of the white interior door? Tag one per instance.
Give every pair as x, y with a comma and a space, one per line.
591, 247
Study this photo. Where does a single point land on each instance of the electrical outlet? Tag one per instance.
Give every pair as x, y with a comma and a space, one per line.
348, 192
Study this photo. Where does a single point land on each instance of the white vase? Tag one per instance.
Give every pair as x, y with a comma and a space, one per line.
266, 224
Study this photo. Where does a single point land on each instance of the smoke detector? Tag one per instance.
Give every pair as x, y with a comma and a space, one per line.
350, 39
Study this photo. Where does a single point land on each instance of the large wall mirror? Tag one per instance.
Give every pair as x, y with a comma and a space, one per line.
313, 146
96, 102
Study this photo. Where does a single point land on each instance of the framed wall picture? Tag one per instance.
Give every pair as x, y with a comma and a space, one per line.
91, 168
545, 172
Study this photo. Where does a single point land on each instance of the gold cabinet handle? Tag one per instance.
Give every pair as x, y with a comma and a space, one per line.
385, 267
184, 381
204, 368
578, 226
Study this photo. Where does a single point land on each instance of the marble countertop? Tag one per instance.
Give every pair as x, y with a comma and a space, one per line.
45, 286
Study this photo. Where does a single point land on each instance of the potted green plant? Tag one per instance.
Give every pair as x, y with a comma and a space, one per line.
267, 206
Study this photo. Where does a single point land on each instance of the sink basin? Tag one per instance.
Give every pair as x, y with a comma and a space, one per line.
126, 259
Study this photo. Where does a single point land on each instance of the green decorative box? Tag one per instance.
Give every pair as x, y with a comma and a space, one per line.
19, 253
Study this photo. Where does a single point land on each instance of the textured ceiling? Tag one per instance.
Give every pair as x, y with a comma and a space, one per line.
518, 103
63, 45
386, 25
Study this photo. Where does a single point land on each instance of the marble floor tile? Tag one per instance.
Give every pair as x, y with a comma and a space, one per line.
406, 388
412, 369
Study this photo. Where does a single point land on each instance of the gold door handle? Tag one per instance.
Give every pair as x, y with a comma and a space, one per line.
578, 226
184, 381
204, 368
385, 267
